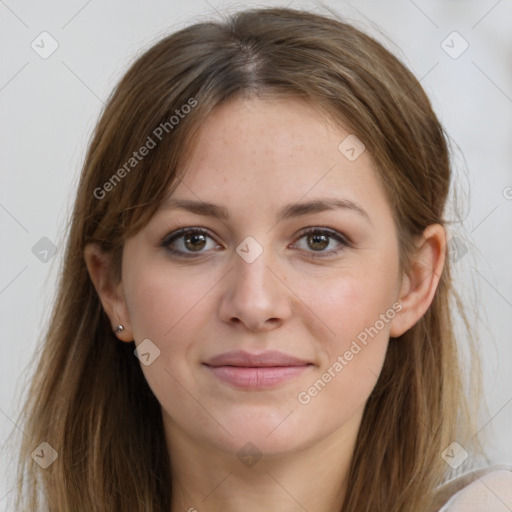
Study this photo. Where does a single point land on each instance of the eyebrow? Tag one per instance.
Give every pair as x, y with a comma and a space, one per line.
289, 211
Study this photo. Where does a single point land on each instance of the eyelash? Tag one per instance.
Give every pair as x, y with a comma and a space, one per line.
175, 235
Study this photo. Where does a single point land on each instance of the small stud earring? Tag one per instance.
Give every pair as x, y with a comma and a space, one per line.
119, 329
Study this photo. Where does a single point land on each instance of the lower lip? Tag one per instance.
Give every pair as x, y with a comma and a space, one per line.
257, 378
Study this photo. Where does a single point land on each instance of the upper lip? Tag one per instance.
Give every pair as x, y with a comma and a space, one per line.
265, 359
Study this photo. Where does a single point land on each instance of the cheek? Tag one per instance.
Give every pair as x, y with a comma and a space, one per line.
349, 304
161, 303
352, 357
357, 307
169, 309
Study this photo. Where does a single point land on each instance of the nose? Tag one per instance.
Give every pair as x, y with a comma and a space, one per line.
254, 295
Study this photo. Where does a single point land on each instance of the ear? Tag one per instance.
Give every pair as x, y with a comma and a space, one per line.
110, 292
420, 284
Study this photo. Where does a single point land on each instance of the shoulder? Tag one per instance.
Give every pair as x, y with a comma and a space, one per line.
481, 490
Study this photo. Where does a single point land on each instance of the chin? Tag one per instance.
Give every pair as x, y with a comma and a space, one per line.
271, 432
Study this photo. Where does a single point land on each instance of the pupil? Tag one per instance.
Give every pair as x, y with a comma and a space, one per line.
191, 241
318, 242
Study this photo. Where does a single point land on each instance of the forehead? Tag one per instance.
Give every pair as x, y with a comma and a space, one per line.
275, 151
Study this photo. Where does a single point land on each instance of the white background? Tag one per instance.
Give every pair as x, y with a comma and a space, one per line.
49, 107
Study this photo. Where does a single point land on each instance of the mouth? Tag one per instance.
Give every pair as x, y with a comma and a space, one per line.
256, 371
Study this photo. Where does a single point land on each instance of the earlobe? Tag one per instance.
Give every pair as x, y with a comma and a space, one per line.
110, 293
420, 284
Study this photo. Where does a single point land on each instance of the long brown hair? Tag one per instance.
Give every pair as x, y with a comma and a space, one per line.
89, 399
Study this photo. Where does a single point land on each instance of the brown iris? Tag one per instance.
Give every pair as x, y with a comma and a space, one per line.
195, 242
317, 242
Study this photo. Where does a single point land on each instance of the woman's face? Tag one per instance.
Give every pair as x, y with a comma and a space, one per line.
272, 307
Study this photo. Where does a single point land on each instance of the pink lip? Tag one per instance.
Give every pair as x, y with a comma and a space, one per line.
256, 371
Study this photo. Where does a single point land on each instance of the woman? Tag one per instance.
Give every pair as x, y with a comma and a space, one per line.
255, 307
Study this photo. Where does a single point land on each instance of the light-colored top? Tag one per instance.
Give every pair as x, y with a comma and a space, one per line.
482, 490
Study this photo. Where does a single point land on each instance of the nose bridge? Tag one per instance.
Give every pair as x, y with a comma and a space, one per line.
251, 276
254, 294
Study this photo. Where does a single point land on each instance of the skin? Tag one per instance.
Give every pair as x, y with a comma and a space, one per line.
253, 157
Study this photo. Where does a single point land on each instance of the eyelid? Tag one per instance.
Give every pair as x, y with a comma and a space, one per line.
334, 233
170, 237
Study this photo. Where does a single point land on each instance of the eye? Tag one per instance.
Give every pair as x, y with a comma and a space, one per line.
189, 241
193, 241
323, 241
